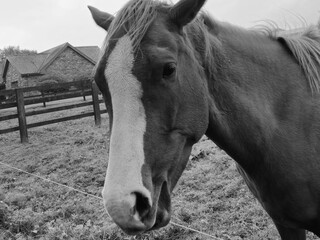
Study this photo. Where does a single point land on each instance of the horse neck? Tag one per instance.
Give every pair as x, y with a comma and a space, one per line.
244, 87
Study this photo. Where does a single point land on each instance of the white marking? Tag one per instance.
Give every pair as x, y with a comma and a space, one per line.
126, 155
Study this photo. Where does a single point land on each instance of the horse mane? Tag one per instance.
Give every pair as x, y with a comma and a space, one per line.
305, 46
199, 32
303, 43
136, 17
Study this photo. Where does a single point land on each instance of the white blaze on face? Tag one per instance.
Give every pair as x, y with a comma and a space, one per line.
126, 155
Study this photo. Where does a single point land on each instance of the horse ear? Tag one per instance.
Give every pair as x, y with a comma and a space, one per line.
185, 11
103, 19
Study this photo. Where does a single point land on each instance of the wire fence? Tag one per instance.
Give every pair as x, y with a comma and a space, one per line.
100, 198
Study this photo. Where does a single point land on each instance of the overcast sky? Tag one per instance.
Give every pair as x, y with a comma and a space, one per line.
43, 24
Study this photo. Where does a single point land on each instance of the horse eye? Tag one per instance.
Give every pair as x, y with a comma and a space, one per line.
168, 70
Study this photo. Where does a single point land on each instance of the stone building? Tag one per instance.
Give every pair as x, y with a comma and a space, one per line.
1, 70
64, 62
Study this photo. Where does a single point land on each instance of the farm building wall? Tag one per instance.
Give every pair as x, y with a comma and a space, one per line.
29, 81
70, 65
13, 77
1, 70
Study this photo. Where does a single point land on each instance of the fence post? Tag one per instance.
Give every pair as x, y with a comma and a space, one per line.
21, 116
82, 90
44, 102
96, 105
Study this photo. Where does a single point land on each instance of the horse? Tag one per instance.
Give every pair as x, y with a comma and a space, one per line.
170, 73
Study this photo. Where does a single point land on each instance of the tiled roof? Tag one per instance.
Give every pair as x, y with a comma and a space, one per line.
27, 64
37, 63
90, 51
51, 54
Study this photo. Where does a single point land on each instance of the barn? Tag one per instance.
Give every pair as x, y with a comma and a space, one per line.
64, 62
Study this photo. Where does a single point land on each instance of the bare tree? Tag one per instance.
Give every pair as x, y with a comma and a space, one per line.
14, 50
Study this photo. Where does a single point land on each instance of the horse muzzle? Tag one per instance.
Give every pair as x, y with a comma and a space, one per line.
134, 213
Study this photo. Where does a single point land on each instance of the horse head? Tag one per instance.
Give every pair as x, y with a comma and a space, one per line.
155, 91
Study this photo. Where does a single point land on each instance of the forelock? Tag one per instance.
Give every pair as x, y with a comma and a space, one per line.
135, 17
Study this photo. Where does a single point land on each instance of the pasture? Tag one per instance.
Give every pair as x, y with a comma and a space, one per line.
210, 196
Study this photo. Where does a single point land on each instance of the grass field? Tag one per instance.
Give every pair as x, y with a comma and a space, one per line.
210, 197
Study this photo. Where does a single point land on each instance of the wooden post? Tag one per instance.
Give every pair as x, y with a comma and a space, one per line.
96, 106
21, 116
44, 102
82, 89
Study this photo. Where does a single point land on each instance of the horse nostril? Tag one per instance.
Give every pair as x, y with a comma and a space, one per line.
142, 206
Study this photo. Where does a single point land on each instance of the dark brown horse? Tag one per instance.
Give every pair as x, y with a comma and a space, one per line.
169, 75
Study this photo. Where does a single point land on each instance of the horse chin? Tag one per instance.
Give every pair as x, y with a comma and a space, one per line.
162, 220
160, 214
163, 213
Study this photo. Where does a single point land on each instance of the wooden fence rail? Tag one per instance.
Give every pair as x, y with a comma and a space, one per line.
15, 98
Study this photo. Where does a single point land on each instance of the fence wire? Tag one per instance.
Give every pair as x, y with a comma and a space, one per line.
100, 198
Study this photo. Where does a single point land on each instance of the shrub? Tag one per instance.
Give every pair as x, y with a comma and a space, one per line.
86, 78
83, 77
51, 84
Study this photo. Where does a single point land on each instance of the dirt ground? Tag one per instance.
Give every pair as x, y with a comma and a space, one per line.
210, 196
